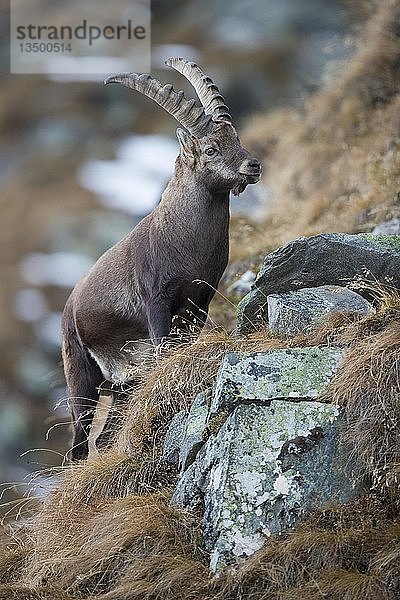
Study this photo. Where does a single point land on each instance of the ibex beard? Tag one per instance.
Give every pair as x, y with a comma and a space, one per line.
168, 267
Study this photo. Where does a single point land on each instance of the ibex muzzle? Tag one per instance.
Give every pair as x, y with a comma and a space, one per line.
168, 267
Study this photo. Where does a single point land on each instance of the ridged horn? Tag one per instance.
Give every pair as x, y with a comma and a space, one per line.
190, 116
208, 93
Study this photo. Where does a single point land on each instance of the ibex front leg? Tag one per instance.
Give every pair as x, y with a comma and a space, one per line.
159, 318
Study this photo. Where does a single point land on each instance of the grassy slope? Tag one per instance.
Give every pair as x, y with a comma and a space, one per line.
335, 166
107, 531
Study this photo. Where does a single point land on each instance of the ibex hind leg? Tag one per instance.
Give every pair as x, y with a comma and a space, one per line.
83, 398
83, 377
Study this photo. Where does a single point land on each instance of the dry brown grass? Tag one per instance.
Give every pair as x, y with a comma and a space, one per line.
372, 406
13, 550
95, 552
139, 548
340, 584
107, 531
335, 166
368, 387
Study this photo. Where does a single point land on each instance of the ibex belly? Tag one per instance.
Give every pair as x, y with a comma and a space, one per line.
118, 362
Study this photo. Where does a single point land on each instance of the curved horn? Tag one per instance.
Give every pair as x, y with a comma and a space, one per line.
185, 111
208, 93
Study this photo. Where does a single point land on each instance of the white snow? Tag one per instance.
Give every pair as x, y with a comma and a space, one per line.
135, 180
62, 269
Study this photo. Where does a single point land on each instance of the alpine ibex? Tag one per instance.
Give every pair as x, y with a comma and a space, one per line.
169, 265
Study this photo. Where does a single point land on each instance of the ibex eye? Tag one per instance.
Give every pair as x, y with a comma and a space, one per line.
210, 151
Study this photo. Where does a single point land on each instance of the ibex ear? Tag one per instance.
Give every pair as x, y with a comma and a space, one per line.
186, 144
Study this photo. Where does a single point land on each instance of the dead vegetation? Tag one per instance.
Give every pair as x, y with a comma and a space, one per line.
107, 531
335, 165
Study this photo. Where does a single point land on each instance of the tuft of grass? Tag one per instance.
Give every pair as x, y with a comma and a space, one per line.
136, 539
368, 386
14, 548
386, 561
16, 592
341, 584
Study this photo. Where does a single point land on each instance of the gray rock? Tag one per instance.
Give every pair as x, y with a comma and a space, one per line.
331, 258
391, 227
192, 484
195, 426
174, 438
301, 310
293, 373
264, 470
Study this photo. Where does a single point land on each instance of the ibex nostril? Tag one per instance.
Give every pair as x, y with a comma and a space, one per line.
251, 167
254, 163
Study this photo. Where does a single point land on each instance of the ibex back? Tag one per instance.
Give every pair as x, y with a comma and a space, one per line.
136, 289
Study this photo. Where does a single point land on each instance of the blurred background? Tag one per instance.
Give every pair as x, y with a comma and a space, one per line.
81, 163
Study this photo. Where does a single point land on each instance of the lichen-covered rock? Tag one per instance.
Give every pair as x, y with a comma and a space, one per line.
325, 259
267, 467
195, 426
294, 373
174, 438
299, 311
193, 482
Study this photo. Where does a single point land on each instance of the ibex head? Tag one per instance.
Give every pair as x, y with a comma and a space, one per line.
210, 145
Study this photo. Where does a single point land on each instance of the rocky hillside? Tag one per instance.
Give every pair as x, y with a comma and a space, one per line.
269, 455
334, 165
270, 458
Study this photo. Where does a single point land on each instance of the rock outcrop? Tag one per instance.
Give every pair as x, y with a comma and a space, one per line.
276, 455
326, 259
293, 373
302, 310
262, 448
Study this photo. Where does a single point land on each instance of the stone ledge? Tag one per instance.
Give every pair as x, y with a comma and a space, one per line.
292, 373
326, 259
302, 310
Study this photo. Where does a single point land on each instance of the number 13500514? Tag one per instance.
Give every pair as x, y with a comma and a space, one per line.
38, 47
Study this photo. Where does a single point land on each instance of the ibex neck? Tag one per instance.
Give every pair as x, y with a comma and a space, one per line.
188, 211
188, 191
